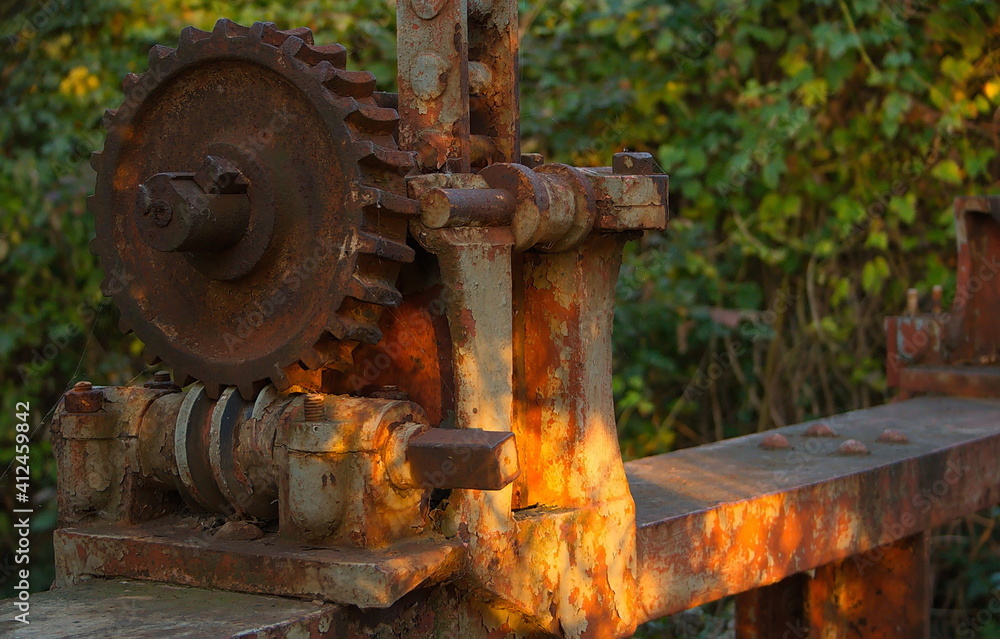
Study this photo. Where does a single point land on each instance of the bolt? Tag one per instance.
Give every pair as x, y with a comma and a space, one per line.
893, 436
912, 301
775, 441
313, 404
633, 164
819, 430
84, 398
161, 376
853, 447
532, 160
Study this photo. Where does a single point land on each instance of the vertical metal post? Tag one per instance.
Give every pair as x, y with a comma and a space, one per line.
882, 594
433, 50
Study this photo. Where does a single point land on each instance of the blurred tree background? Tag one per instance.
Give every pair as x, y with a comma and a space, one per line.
814, 148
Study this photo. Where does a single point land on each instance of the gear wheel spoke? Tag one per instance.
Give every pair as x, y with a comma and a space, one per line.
250, 206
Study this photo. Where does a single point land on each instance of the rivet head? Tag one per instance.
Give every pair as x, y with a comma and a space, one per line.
429, 76
427, 9
853, 447
819, 430
893, 436
775, 441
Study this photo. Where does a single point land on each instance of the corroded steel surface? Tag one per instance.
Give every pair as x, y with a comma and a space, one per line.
726, 517
882, 595
142, 610
180, 551
326, 207
966, 335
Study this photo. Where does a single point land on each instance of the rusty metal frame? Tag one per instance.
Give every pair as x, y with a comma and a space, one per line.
813, 532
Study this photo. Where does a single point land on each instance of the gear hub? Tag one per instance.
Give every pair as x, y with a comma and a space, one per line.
250, 207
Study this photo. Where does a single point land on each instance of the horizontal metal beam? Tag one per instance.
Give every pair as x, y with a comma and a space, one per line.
144, 610
721, 519
173, 552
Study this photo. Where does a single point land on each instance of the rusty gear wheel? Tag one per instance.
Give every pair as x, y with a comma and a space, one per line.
250, 207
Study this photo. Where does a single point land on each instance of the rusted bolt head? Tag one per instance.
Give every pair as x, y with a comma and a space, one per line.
313, 407
853, 447
633, 164
161, 381
819, 430
893, 436
532, 160
775, 441
84, 398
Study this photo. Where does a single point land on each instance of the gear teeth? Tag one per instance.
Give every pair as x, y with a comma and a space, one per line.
190, 35
280, 380
129, 82
378, 200
226, 28
374, 119
272, 35
334, 54
354, 84
367, 290
151, 359
346, 329
249, 389
213, 390
123, 325
312, 359
109, 117
291, 46
182, 378
379, 157
372, 244
157, 53
386, 100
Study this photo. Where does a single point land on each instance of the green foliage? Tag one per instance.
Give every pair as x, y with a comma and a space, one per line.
814, 148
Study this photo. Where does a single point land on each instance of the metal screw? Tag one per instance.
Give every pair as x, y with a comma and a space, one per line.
313, 405
161, 376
